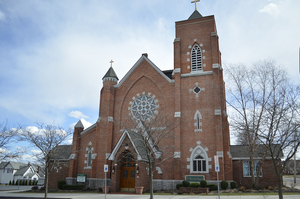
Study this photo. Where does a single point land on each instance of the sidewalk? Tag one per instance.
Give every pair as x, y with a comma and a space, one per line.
8, 194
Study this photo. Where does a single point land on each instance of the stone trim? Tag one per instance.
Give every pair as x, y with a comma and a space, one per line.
197, 73
136, 65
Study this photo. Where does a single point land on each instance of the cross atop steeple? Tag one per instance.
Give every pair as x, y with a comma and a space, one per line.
195, 1
111, 62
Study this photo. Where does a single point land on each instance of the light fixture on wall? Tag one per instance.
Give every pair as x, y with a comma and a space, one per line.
126, 146
137, 168
114, 168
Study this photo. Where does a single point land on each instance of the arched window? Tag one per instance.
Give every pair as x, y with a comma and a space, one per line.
196, 58
199, 161
199, 164
89, 157
198, 123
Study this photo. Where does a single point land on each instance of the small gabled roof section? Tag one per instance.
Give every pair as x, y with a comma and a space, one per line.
195, 15
79, 125
136, 141
61, 152
22, 171
17, 165
143, 57
111, 73
3, 165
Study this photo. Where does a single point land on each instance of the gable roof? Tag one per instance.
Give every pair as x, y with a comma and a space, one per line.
243, 151
17, 165
21, 171
136, 141
61, 152
143, 57
3, 164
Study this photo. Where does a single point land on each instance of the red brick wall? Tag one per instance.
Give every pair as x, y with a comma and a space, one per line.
55, 175
268, 178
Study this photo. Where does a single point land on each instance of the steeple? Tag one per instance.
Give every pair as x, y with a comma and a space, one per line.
79, 125
110, 75
195, 15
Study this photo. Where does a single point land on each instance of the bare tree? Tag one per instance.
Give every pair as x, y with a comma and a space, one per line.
6, 137
282, 122
266, 106
248, 93
46, 139
151, 137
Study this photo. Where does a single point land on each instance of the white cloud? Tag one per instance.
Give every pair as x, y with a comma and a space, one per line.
271, 9
2, 16
77, 114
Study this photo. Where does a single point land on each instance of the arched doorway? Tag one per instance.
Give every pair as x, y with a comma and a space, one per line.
127, 179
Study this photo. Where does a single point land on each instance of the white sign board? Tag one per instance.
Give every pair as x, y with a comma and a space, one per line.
217, 167
216, 159
105, 168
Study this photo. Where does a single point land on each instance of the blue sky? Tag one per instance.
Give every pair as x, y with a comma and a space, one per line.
53, 53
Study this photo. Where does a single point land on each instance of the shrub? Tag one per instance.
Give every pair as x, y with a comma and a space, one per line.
178, 186
224, 184
13, 182
61, 183
24, 182
271, 188
42, 188
9, 182
17, 182
185, 183
34, 188
29, 182
233, 185
73, 187
212, 187
100, 189
203, 183
242, 188
194, 184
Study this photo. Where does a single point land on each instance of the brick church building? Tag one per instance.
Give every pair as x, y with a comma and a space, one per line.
192, 95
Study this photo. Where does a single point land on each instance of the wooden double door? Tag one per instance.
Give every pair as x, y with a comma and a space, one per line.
127, 178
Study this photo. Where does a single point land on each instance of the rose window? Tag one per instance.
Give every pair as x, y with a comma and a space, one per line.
143, 107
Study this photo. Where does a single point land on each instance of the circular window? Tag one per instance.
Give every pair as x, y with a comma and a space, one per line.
143, 107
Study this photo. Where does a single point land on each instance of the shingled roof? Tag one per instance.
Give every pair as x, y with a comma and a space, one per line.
243, 151
61, 152
111, 73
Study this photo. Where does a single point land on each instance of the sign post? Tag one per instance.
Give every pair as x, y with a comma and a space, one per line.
217, 169
105, 171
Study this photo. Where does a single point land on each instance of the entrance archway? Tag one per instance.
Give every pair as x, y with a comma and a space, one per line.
127, 179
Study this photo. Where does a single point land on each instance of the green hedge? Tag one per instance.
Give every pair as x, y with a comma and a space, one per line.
185, 183
203, 183
233, 185
224, 184
194, 184
61, 183
73, 187
212, 187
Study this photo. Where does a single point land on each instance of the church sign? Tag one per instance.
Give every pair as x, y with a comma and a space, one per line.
81, 178
194, 178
